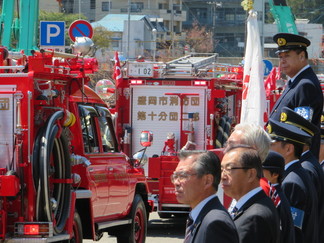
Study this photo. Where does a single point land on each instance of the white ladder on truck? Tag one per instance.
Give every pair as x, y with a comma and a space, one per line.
190, 65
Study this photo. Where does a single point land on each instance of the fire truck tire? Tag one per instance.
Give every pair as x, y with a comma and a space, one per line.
223, 131
220, 132
136, 233
77, 229
227, 129
53, 199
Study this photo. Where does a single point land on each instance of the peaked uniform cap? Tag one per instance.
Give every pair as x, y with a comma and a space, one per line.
293, 118
281, 131
287, 42
274, 161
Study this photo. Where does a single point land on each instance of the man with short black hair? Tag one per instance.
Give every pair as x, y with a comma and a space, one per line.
308, 161
273, 168
254, 214
288, 140
196, 181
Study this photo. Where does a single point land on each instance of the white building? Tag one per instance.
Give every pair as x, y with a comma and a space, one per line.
141, 37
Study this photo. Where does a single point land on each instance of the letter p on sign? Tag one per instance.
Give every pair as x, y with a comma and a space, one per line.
52, 33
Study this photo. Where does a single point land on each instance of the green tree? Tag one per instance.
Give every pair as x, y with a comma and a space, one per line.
102, 37
54, 16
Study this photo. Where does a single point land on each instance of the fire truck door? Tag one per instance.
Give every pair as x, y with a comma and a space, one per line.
118, 181
98, 168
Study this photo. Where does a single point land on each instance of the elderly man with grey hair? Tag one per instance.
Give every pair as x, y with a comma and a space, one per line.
252, 135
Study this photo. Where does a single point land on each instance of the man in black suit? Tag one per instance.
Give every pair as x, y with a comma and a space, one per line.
196, 181
288, 140
254, 214
308, 161
273, 168
303, 92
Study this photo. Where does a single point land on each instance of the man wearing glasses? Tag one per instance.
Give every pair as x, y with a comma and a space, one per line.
254, 214
196, 181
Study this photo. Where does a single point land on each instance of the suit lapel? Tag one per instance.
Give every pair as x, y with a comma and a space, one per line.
248, 203
213, 203
287, 89
290, 169
307, 156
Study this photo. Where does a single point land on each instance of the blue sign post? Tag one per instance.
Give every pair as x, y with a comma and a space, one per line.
52, 33
267, 67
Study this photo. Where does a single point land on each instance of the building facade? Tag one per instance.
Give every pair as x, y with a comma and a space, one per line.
226, 20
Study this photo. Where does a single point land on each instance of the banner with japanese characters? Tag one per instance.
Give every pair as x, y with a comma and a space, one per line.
158, 109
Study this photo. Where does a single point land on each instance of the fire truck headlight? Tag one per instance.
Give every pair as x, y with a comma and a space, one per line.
140, 158
76, 178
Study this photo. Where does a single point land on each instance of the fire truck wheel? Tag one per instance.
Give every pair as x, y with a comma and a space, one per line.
77, 229
136, 233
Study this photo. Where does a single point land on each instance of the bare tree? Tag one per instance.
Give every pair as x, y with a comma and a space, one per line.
200, 39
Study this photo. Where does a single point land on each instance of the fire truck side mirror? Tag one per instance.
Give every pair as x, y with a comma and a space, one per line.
146, 138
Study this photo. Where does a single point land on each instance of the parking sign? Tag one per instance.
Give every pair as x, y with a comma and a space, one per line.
52, 33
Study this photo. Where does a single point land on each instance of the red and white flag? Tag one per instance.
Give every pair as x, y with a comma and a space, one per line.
117, 71
253, 96
271, 81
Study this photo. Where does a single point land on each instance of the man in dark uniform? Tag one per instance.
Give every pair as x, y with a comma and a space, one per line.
254, 214
288, 140
303, 93
308, 161
273, 168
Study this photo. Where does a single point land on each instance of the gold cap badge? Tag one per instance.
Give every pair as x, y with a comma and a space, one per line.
281, 41
283, 116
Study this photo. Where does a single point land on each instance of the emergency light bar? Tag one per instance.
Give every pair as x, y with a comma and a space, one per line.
200, 83
136, 81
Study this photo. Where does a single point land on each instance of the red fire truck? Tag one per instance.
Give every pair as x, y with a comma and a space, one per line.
188, 103
62, 173
63, 177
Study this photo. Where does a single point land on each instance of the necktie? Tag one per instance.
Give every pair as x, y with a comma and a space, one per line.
289, 83
273, 194
189, 227
234, 212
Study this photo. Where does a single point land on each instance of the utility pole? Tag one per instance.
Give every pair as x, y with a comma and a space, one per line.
214, 6
172, 29
154, 32
128, 27
79, 9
